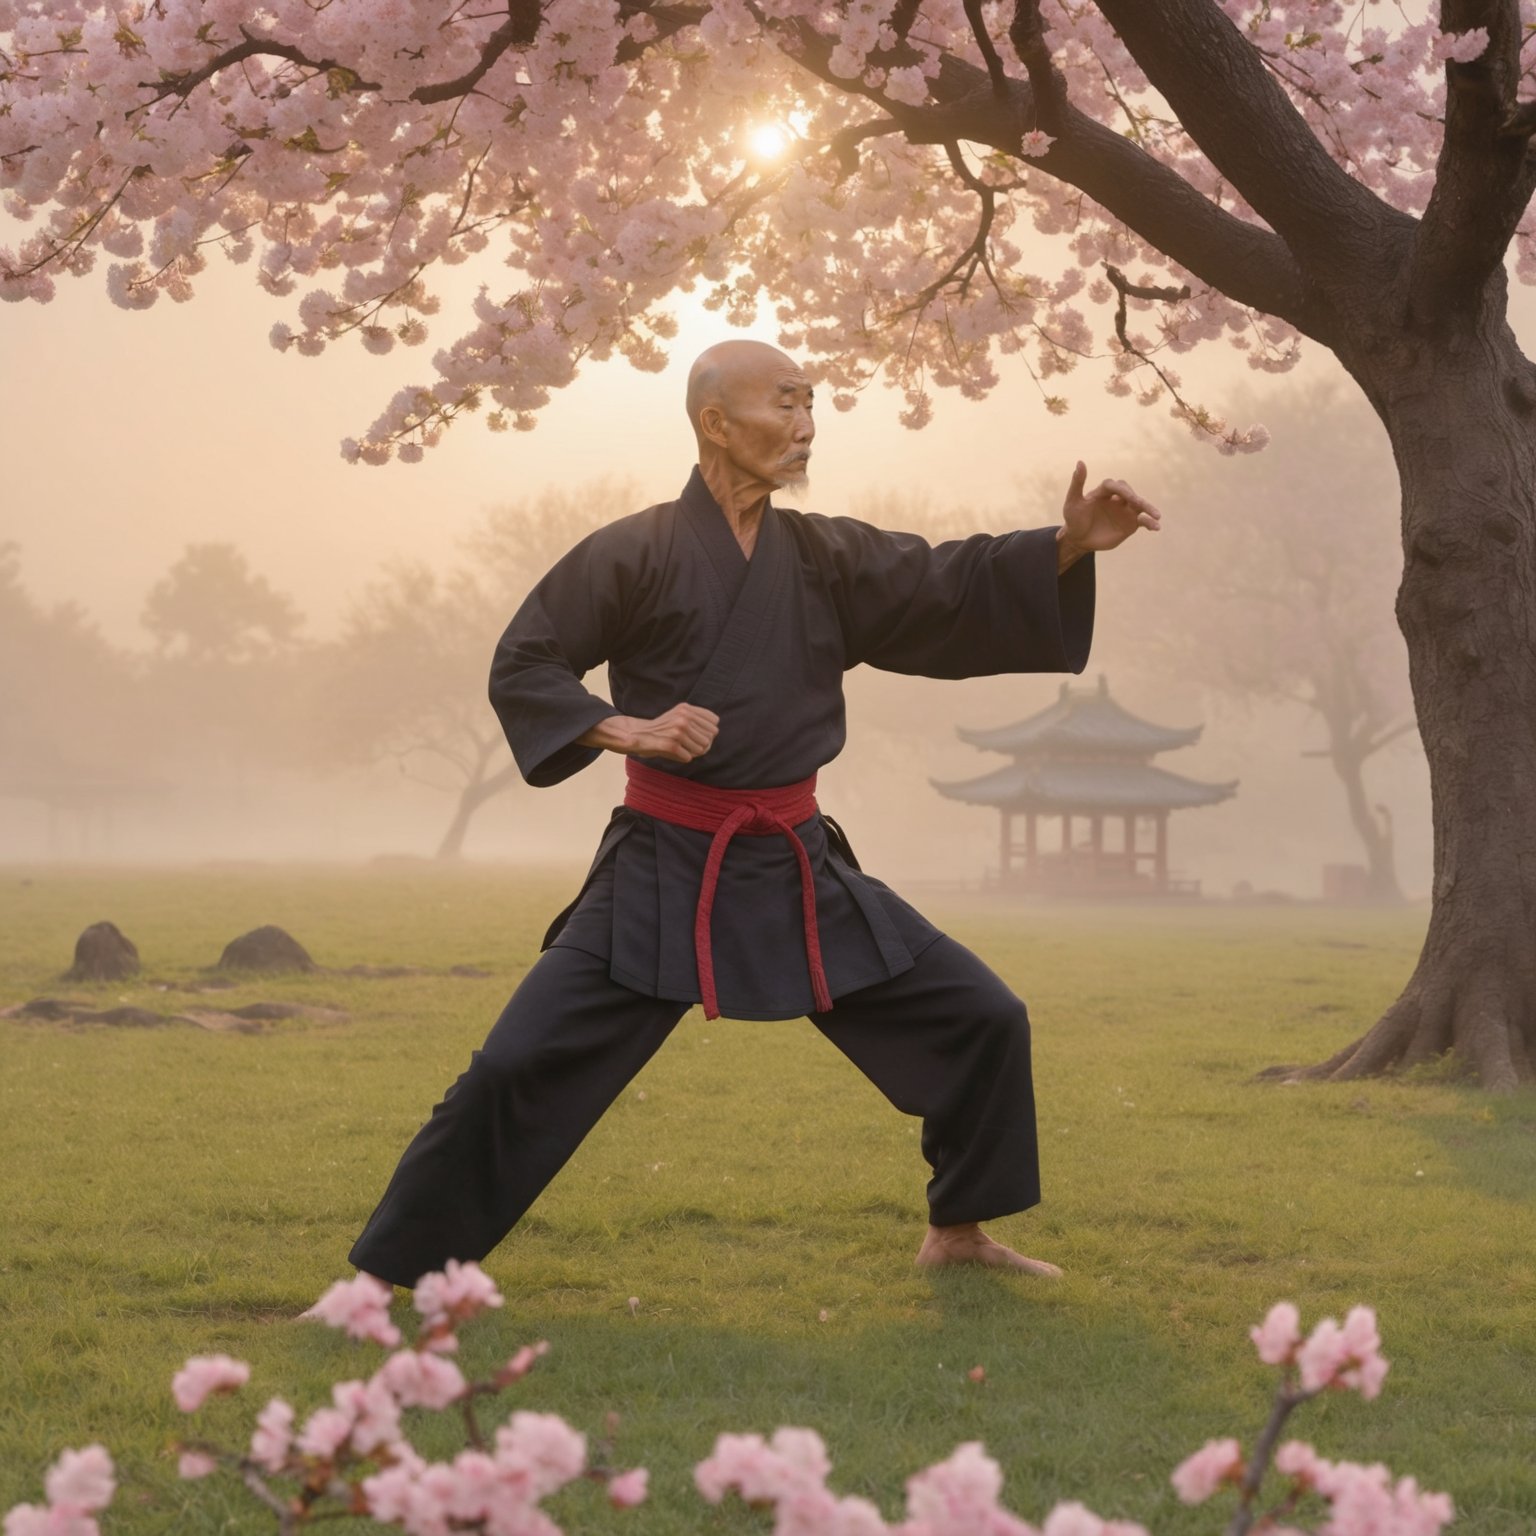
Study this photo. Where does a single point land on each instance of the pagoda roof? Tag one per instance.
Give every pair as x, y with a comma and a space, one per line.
1084, 720
1086, 787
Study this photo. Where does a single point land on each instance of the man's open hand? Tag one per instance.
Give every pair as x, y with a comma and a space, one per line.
1103, 517
685, 732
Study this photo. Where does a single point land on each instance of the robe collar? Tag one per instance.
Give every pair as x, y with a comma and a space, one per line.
708, 520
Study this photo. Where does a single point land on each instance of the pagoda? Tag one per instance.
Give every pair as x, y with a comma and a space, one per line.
1089, 762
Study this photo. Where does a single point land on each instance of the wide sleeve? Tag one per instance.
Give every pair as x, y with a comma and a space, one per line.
965, 608
566, 626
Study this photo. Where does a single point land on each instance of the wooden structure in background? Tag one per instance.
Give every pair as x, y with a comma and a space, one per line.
1086, 763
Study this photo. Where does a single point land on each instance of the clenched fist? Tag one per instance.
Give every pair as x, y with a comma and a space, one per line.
685, 732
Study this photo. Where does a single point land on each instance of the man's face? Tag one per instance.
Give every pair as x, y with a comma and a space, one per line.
769, 424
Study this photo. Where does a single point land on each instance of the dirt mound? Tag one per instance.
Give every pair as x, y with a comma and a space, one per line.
103, 953
265, 949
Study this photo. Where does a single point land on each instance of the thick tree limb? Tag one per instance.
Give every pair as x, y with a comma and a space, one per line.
1250, 130
1484, 176
1027, 34
844, 144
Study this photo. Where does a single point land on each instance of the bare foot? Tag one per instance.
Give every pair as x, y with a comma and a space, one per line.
968, 1244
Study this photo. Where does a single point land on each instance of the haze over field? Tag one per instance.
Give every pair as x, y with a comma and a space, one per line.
131, 437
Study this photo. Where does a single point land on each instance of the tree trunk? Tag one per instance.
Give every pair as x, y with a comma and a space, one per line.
1460, 416
471, 798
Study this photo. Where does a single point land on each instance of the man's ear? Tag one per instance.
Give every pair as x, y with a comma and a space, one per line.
712, 425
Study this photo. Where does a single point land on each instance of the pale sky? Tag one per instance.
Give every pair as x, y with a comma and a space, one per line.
129, 435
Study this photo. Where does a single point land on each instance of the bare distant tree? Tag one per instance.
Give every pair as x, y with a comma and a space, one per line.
407, 679
1285, 569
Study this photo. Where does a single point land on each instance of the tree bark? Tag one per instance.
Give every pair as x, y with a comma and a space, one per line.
1459, 409
471, 798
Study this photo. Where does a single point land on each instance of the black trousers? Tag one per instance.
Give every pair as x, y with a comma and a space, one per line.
945, 1040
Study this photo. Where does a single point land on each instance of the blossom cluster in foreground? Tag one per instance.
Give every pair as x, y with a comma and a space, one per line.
352, 1455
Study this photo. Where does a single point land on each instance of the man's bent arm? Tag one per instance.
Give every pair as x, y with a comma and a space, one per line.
684, 732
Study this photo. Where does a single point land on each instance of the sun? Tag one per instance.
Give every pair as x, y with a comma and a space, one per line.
768, 141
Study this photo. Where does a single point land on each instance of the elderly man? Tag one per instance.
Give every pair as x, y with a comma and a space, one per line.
727, 623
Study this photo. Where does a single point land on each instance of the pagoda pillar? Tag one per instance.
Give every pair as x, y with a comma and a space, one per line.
1161, 868
1029, 847
1005, 849
1130, 845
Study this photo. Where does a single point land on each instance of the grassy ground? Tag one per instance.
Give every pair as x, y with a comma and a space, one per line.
171, 1191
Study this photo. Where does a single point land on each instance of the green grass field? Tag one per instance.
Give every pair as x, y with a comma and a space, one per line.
173, 1191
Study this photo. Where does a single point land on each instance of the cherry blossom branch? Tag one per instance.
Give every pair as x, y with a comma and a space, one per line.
975, 254
668, 20
844, 144
254, 45
1287, 1400
287, 1516
517, 31
995, 70
1198, 417
75, 240
1240, 116
1250, 264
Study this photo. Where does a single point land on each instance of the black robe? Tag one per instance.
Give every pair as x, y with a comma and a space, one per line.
667, 598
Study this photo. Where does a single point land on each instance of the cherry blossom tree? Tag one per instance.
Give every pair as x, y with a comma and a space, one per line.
917, 187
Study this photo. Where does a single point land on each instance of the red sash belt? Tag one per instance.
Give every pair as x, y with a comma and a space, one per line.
727, 812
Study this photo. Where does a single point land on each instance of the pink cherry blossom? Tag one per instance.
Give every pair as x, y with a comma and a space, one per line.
1198, 1476
1365, 1500
1462, 47
1347, 1357
417, 1379
521, 1363
458, 1293
205, 1375
1034, 143
628, 1489
543, 1448
1295, 1458
1278, 1335
81, 1481
372, 1411
191, 1465
361, 1308
325, 1432
273, 1437
38, 1520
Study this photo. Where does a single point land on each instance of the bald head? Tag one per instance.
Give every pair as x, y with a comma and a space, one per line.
750, 406
727, 372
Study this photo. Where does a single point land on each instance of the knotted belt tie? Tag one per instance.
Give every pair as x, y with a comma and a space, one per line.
728, 813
